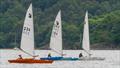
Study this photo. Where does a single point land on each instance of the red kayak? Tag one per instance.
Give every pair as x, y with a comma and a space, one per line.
29, 61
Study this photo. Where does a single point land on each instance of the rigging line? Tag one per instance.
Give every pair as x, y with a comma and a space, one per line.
58, 52
87, 52
26, 52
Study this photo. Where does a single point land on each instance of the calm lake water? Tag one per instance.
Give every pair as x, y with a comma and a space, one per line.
112, 59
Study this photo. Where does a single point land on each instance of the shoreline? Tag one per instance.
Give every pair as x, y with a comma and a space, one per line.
63, 49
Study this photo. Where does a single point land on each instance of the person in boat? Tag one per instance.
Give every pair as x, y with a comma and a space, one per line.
49, 55
35, 56
80, 55
20, 57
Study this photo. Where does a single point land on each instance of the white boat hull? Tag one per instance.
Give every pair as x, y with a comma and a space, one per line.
91, 58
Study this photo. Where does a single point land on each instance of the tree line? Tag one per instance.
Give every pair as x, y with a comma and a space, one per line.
104, 21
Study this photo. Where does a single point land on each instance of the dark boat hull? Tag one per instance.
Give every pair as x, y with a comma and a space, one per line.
51, 58
60, 58
70, 58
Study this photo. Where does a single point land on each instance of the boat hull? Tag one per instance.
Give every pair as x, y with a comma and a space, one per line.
59, 58
51, 58
70, 58
91, 58
29, 61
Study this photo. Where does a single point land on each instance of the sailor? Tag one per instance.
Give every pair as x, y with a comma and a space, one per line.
20, 56
80, 55
49, 55
34, 57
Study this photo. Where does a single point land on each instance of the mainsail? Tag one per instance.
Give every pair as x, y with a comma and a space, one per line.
27, 39
56, 36
86, 42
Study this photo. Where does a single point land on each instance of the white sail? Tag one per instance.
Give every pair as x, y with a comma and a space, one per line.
27, 39
56, 36
86, 42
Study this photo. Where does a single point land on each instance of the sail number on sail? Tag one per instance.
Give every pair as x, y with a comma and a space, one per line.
26, 30
56, 28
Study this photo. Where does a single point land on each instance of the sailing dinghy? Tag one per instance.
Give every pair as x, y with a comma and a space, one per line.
56, 41
27, 41
86, 42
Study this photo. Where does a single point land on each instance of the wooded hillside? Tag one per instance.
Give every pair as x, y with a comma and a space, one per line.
104, 20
